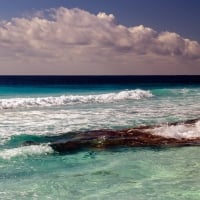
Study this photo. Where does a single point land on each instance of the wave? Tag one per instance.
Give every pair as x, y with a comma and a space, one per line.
179, 131
74, 99
25, 151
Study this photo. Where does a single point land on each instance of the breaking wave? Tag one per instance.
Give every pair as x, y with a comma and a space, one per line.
180, 131
25, 151
73, 99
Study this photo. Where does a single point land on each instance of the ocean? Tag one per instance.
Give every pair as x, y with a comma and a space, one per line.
34, 108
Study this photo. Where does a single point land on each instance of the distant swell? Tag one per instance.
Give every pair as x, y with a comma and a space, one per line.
74, 99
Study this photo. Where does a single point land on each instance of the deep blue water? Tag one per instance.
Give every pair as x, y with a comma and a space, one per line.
54, 80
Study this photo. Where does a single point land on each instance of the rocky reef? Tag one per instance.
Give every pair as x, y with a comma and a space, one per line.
135, 137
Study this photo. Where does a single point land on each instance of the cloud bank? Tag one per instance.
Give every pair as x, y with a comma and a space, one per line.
74, 41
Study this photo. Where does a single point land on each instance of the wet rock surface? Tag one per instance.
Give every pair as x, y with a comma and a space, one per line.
134, 137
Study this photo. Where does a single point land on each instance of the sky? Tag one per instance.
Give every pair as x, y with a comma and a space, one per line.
99, 37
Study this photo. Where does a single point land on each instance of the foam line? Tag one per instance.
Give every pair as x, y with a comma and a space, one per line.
74, 99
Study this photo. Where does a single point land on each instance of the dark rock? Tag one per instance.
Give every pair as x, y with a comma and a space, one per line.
135, 137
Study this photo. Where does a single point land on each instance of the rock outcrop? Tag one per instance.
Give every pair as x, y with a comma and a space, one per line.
135, 137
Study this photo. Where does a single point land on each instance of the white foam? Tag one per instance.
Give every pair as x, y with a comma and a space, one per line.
25, 151
74, 99
179, 131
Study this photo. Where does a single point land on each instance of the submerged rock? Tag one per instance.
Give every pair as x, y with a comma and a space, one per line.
28, 143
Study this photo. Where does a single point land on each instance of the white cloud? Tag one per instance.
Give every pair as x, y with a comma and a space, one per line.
77, 42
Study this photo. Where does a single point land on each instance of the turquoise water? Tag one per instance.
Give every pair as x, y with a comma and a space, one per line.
123, 174
32, 112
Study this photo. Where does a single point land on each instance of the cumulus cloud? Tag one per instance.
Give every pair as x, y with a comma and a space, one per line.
74, 37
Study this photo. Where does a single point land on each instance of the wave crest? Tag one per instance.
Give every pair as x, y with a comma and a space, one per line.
74, 99
25, 151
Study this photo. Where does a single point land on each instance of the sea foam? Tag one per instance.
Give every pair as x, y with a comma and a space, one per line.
74, 99
180, 131
25, 151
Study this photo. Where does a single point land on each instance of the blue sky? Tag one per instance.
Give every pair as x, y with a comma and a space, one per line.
100, 37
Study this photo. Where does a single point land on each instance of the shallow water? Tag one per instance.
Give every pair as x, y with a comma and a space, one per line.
119, 174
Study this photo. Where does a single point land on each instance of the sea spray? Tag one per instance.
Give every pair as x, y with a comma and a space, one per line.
178, 131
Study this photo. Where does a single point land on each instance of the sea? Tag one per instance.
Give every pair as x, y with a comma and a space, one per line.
35, 108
